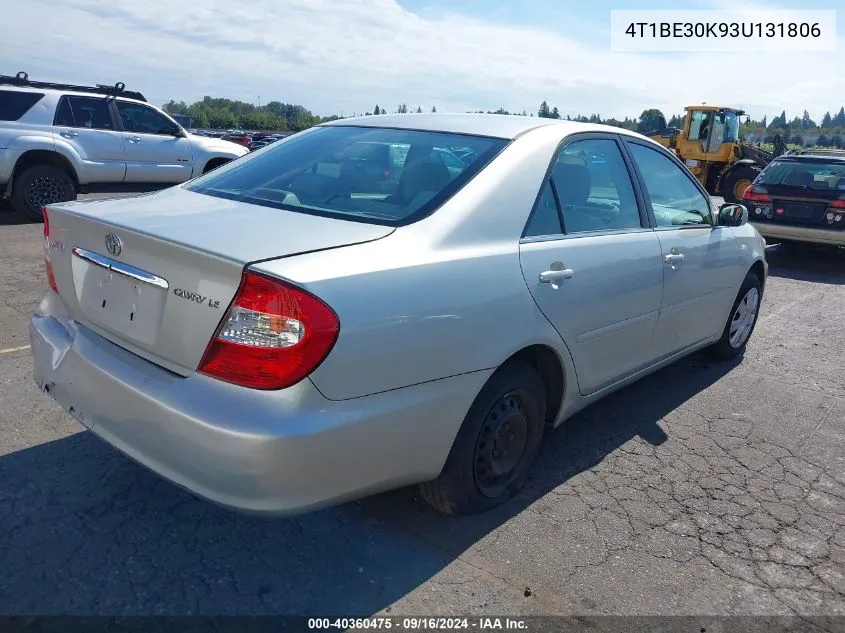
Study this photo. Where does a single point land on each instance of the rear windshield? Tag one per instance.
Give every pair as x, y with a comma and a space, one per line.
13, 104
378, 175
816, 174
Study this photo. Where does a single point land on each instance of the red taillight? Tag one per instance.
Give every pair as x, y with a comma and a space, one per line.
48, 264
273, 335
754, 194
838, 204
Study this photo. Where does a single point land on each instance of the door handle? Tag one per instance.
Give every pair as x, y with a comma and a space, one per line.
68, 134
674, 258
134, 139
553, 276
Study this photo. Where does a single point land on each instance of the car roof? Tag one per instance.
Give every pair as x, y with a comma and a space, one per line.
74, 93
816, 156
493, 125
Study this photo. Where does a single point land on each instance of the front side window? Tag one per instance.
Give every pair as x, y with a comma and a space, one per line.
83, 112
675, 200
594, 187
144, 119
379, 175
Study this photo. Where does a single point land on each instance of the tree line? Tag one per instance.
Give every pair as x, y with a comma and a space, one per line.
221, 113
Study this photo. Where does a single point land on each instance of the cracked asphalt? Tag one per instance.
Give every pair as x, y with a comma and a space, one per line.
705, 489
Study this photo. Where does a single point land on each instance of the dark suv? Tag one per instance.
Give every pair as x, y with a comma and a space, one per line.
800, 196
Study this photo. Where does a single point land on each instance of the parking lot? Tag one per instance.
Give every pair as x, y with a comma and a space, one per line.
703, 489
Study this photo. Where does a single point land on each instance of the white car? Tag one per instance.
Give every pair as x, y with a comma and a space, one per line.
58, 140
289, 331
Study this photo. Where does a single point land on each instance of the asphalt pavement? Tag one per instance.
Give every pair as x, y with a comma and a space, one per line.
706, 488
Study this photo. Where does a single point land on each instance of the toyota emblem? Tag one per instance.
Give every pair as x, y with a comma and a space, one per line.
113, 244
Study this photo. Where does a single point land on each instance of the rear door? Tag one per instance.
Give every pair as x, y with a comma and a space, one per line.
156, 151
701, 262
592, 263
86, 125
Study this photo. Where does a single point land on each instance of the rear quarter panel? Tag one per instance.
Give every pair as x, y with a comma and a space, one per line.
440, 297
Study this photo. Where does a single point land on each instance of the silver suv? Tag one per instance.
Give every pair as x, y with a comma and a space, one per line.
58, 140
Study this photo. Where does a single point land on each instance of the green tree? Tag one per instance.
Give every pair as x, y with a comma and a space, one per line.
555, 113
823, 141
433, 109
827, 121
544, 110
839, 119
418, 110
376, 110
402, 109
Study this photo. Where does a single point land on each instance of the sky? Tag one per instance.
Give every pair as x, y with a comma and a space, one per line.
346, 56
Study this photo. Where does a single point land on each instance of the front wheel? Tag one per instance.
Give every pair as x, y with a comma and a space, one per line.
737, 181
495, 446
39, 186
741, 321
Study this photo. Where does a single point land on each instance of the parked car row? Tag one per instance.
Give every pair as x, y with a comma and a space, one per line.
250, 140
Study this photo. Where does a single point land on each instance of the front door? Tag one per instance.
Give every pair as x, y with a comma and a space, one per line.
700, 260
591, 263
85, 124
156, 150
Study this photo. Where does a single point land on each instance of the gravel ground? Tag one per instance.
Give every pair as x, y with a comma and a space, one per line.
704, 489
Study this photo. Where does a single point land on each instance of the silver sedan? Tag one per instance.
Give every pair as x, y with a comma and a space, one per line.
385, 301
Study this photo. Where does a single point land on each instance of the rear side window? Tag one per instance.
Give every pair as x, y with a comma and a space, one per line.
13, 104
594, 187
90, 112
379, 175
815, 175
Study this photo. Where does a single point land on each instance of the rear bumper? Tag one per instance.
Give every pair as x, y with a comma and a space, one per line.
833, 237
264, 452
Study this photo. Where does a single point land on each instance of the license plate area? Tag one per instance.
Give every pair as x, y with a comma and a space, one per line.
799, 211
117, 297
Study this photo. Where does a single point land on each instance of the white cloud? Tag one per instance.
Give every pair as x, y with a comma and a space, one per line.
345, 55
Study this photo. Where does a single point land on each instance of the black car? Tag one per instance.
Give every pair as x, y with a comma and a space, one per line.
800, 196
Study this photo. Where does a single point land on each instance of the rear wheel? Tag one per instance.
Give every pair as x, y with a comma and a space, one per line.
39, 186
737, 180
741, 322
495, 446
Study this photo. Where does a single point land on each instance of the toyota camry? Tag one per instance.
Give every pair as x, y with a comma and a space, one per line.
354, 309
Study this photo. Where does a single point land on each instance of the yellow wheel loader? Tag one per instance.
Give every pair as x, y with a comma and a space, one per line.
710, 147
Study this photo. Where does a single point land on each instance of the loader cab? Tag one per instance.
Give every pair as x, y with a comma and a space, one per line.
711, 127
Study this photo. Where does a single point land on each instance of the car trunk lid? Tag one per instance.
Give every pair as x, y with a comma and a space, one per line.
156, 273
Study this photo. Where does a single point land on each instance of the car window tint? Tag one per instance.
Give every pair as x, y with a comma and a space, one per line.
815, 174
143, 119
545, 219
594, 187
13, 104
64, 113
90, 112
675, 200
382, 175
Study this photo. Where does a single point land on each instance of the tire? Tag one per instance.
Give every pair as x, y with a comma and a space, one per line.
39, 186
508, 414
737, 180
740, 324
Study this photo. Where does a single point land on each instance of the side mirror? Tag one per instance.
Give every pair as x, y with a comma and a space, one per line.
733, 215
